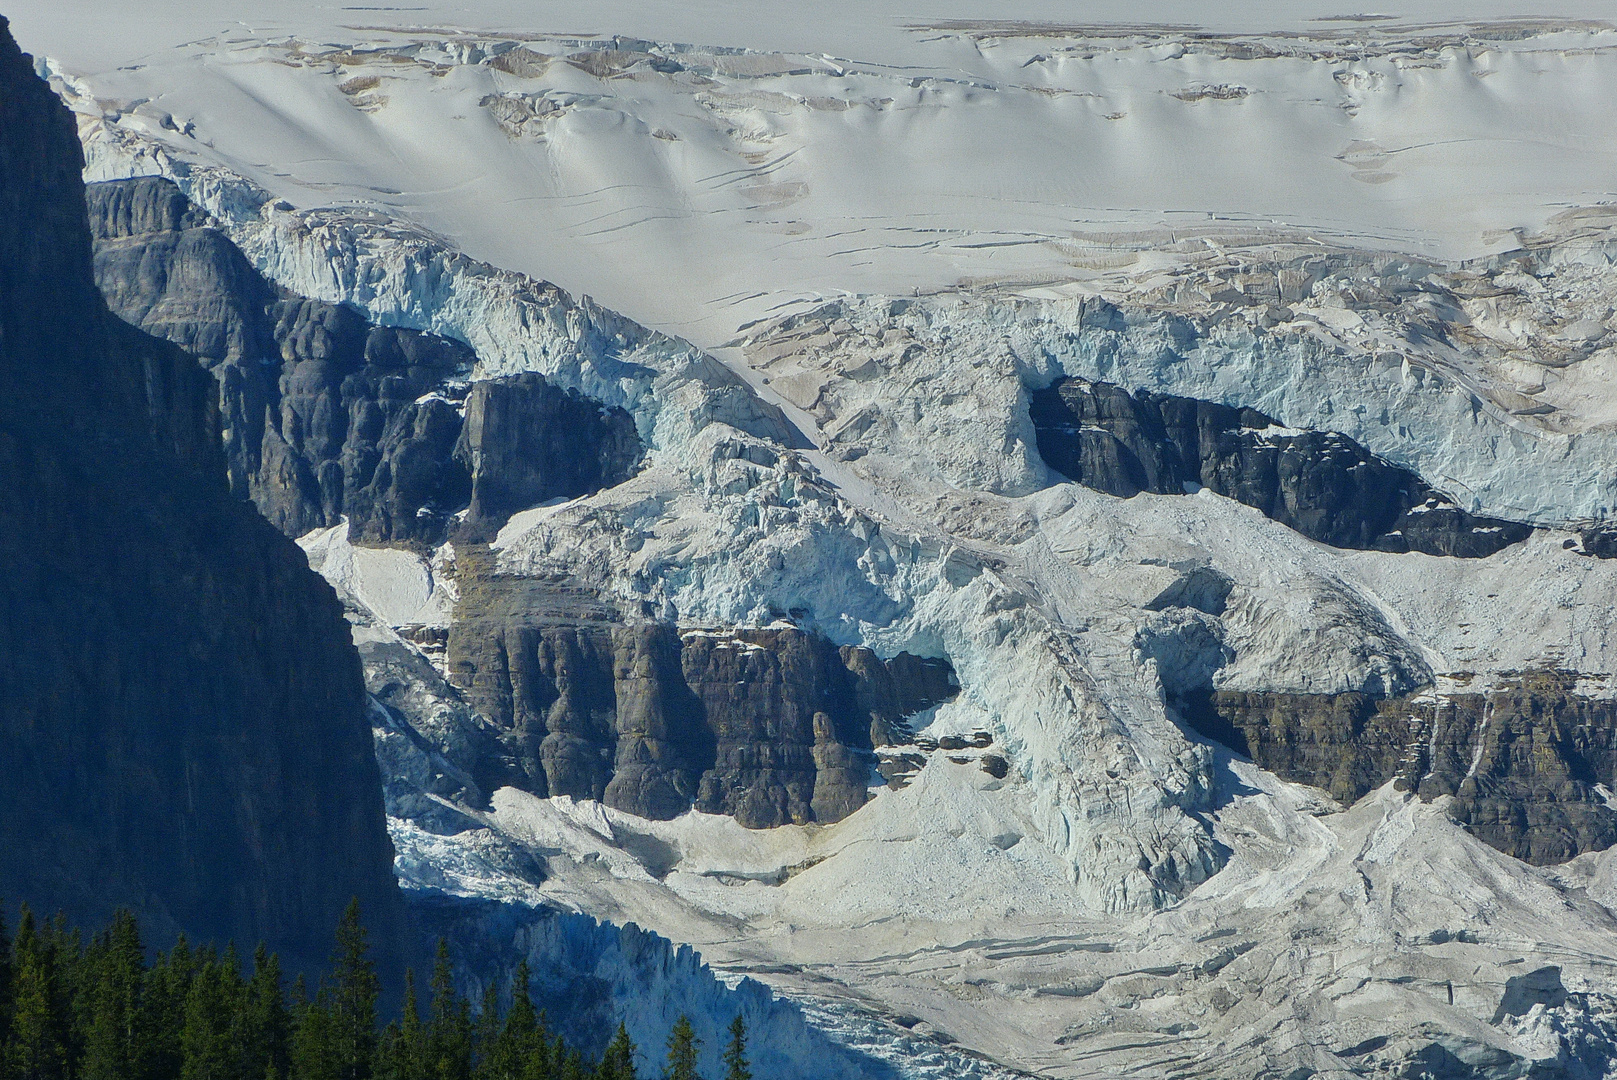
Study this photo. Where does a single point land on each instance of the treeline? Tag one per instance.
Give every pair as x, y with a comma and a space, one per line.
71, 1010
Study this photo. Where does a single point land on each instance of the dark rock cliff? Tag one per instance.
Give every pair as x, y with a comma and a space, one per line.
327, 415
1522, 759
182, 713
1599, 541
772, 725
525, 442
1324, 485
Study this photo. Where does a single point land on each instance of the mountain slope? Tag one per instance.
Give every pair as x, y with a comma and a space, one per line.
182, 722
1057, 868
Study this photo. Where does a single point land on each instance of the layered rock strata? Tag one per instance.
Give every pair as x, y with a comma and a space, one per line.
1320, 483
1524, 760
327, 415
182, 713
771, 725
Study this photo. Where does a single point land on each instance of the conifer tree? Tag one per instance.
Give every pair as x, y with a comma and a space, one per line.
449, 1030
265, 1022
64, 950
207, 1047
618, 1061
682, 1047
387, 1064
314, 1052
569, 1065
486, 1032
406, 1051
511, 1054
162, 1011
37, 1049
353, 999
735, 1055
522, 1026
114, 987
544, 1059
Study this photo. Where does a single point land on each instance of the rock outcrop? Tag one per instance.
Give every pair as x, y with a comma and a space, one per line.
1598, 540
526, 442
182, 712
1320, 483
771, 725
1522, 760
327, 415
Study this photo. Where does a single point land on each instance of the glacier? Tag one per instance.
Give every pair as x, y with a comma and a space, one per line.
851, 446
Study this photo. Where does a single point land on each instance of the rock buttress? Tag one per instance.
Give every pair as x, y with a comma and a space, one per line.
1523, 760
771, 725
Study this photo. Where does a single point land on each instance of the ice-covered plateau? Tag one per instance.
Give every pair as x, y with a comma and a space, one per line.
1066, 878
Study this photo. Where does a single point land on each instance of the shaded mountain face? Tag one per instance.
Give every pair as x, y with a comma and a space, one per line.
182, 719
327, 415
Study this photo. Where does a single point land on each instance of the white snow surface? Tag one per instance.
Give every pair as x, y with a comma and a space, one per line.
896, 225
396, 585
1003, 171
703, 165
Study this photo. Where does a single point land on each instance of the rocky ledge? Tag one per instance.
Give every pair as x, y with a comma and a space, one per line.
771, 725
1320, 483
1525, 761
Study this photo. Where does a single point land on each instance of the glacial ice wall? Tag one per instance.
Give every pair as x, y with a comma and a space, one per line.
1404, 396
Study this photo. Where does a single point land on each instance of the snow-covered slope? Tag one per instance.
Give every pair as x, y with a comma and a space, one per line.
880, 246
872, 148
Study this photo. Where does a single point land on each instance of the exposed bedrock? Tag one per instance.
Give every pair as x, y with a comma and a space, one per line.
1523, 760
525, 442
1320, 483
770, 725
182, 712
1599, 541
327, 415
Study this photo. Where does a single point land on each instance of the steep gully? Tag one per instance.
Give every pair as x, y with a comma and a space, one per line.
330, 416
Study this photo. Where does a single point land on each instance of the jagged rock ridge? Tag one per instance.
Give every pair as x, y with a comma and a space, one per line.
182, 725
327, 415
1321, 483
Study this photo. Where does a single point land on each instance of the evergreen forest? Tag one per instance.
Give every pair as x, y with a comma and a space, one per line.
106, 1009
